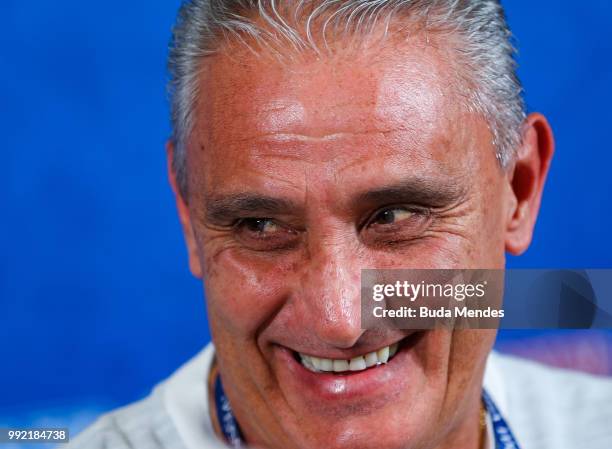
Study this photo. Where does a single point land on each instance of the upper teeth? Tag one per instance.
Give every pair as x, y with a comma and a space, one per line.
358, 363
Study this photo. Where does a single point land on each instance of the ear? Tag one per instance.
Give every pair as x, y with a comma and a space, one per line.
184, 216
526, 179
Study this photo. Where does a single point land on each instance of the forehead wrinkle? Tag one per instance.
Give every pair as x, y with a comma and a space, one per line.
284, 137
295, 118
279, 115
266, 152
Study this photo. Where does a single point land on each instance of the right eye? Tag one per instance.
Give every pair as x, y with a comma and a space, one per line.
264, 234
259, 225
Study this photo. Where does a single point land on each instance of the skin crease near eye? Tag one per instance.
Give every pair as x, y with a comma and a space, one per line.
306, 171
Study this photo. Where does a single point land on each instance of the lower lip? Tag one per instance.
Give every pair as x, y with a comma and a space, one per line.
381, 380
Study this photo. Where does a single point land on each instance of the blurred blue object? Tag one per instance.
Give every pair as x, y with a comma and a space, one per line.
97, 304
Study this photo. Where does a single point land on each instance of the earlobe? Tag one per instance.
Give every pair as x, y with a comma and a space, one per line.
184, 216
527, 179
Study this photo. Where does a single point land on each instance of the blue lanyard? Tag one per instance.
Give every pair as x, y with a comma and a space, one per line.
227, 421
504, 439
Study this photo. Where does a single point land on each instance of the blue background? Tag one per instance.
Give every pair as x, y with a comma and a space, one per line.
96, 301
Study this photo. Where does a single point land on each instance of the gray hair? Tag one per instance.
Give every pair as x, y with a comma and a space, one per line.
485, 50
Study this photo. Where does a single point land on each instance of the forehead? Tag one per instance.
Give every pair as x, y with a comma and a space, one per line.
394, 100
390, 85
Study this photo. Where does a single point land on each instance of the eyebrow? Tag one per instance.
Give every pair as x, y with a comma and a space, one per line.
421, 191
229, 207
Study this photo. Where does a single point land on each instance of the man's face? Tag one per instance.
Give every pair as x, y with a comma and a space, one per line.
304, 173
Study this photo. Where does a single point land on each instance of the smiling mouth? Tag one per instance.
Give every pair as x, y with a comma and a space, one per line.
359, 363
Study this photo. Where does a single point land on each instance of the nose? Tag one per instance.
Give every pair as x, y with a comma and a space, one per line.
329, 301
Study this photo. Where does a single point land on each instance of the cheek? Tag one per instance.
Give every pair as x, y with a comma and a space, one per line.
244, 290
468, 356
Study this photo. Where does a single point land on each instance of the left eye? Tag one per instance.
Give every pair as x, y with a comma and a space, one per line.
391, 216
396, 224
